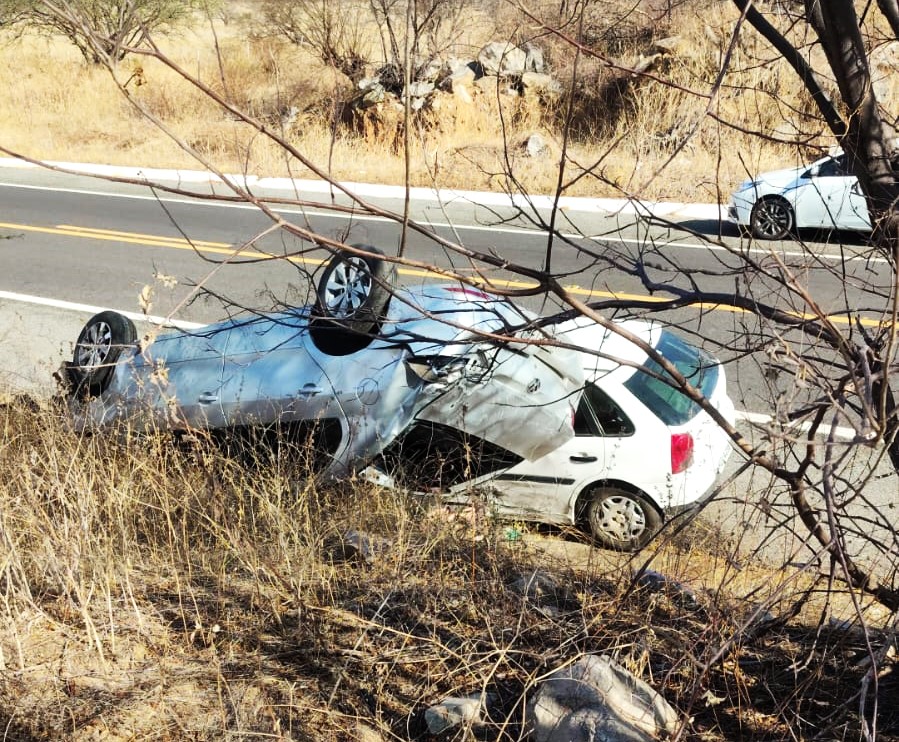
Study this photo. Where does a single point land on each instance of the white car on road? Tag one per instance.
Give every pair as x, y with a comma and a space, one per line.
823, 195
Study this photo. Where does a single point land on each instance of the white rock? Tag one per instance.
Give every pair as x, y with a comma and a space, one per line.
453, 712
502, 58
597, 700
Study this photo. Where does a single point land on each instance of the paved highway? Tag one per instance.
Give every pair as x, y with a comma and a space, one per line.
76, 239
97, 243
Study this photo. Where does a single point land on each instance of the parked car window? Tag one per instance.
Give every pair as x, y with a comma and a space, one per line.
597, 414
835, 166
669, 403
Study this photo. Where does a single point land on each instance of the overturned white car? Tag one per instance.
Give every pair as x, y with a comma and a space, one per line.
442, 388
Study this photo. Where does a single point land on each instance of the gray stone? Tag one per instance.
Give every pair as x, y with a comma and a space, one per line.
533, 61
372, 95
656, 582
502, 59
367, 83
362, 546
597, 700
539, 81
536, 146
464, 75
429, 70
544, 593
454, 712
420, 89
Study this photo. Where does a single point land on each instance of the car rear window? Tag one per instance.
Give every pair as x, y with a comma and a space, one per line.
671, 405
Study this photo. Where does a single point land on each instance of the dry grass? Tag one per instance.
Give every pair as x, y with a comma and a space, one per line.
157, 592
635, 136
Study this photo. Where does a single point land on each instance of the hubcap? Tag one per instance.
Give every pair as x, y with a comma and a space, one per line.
94, 349
620, 517
772, 219
348, 287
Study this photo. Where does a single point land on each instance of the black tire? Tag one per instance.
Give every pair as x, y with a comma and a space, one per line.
97, 349
351, 300
771, 219
620, 519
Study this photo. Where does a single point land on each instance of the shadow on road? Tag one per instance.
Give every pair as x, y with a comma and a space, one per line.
716, 229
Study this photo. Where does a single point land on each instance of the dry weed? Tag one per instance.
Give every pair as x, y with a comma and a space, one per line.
55, 107
178, 592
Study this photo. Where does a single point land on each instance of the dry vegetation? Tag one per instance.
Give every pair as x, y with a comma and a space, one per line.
157, 592
624, 128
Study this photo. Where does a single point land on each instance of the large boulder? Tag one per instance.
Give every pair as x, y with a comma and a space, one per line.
597, 700
502, 59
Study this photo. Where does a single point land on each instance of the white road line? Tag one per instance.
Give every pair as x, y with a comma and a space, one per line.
89, 309
756, 418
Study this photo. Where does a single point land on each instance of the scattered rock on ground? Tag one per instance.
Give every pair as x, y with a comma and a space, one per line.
680, 593
544, 593
454, 712
536, 146
597, 700
361, 546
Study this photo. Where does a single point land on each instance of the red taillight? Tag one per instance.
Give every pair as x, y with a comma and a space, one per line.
681, 452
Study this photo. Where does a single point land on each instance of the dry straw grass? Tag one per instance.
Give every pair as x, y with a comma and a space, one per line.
151, 591
624, 128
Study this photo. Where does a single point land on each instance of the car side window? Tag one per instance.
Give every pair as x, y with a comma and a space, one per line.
597, 414
833, 167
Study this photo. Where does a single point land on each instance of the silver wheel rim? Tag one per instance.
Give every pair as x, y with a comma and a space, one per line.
348, 287
620, 517
772, 219
94, 349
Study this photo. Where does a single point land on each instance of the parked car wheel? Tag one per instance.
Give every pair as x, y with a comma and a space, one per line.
621, 520
97, 349
771, 219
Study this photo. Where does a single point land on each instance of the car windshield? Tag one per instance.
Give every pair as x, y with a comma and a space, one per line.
671, 405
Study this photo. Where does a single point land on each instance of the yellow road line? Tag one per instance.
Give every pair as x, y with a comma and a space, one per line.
131, 236
223, 248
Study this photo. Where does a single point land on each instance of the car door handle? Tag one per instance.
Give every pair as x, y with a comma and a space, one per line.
310, 390
582, 459
208, 398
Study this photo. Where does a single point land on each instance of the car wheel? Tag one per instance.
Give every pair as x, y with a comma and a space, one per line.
620, 519
351, 300
771, 219
97, 349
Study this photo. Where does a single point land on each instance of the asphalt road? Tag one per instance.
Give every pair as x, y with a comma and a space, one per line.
86, 241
